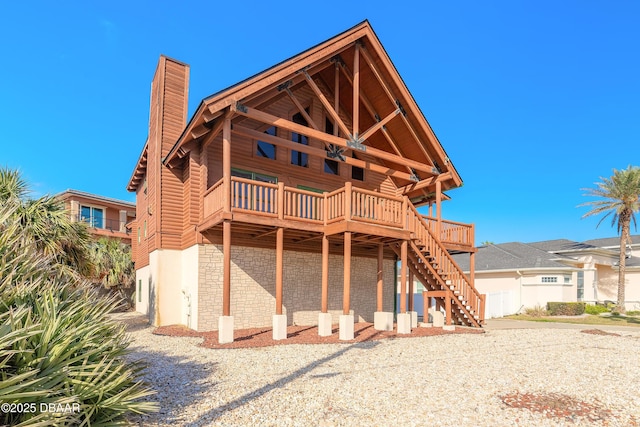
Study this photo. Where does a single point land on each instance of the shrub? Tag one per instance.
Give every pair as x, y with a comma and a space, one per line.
536, 311
596, 309
566, 308
633, 313
58, 346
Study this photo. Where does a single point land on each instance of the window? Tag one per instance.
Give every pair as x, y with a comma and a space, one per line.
298, 158
92, 216
139, 290
256, 176
145, 229
138, 234
356, 172
580, 287
567, 279
264, 149
549, 279
330, 166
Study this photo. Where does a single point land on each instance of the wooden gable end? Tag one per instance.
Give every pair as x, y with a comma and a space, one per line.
348, 81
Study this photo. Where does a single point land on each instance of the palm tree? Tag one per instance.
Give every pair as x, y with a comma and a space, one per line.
46, 225
114, 268
619, 198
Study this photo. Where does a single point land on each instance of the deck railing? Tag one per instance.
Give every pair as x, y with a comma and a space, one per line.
452, 232
346, 203
451, 277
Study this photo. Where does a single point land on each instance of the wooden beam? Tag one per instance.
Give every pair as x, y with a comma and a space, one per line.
424, 183
301, 109
226, 164
325, 103
279, 268
325, 273
380, 276
336, 95
270, 119
366, 134
403, 276
226, 268
410, 291
376, 72
356, 91
319, 152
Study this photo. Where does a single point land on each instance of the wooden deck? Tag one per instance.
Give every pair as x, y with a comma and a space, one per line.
345, 209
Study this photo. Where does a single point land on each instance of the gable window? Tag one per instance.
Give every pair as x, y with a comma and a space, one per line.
549, 279
92, 216
265, 149
298, 158
356, 172
330, 166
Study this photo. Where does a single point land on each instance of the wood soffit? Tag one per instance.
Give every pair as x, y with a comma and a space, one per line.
397, 136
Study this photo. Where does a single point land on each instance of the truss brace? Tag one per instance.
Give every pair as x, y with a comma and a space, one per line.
240, 107
284, 85
356, 144
401, 108
436, 168
414, 175
335, 152
337, 60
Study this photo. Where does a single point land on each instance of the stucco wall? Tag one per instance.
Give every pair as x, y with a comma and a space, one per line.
253, 286
142, 290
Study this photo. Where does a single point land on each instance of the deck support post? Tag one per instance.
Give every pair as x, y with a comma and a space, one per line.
346, 319
279, 319
324, 318
412, 311
448, 309
382, 321
404, 318
225, 322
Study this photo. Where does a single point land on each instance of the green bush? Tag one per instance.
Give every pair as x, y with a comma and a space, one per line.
58, 348
596, 309
633, 313
565, 308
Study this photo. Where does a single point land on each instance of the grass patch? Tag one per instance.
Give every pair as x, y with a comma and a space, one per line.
583, 320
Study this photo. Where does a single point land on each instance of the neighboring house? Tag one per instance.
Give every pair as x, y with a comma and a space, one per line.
524, 275
105, 216
288, 197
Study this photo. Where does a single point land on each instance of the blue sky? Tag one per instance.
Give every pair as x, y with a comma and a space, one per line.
532, 100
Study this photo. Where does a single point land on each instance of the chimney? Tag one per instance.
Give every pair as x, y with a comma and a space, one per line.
167, 120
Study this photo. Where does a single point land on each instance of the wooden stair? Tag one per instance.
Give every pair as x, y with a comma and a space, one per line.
434, 267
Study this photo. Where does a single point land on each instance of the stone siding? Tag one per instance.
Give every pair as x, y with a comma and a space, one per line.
253, 287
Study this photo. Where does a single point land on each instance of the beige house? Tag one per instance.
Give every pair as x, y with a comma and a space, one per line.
517, 275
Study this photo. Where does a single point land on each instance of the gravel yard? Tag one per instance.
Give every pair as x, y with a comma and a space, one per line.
520, 377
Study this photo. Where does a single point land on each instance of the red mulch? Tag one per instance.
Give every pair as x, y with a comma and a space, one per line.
559, 406
599, 332
262, 337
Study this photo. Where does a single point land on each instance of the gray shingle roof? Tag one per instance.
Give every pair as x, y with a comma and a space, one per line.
508, 256
611, 241
517, 255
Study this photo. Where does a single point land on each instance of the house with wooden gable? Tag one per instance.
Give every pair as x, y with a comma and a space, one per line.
290, 198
